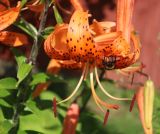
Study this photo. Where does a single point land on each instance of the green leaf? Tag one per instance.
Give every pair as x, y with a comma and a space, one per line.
27, 27
23, 68
8, 83
23, 71
5, 126
20, 58
22, 132
23, 2
57, 15
31, 106
4, 93
4, 103
43, 122
39, 78
47, 31
1, 116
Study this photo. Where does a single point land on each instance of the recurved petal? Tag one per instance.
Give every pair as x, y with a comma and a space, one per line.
9, 16
70, 64
36, 8
55, 45
80, 40
4, 4
13, 39
102, 27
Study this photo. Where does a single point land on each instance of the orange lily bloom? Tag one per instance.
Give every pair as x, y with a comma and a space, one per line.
35, 6
8, 17
101, 45
4, 4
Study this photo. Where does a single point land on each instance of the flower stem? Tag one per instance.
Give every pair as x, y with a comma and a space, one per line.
38, 40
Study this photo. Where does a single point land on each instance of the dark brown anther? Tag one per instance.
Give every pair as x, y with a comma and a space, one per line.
106, 117
54, 107
132, 103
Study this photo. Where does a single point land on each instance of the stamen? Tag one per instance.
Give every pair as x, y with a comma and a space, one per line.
54, 106
108, 106
132, 103
104, 91
106, 117
132, 79
77, 87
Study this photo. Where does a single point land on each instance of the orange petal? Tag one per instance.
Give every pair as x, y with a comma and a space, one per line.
124, 17
102, 27
71, 119
36, 8
76, 4
33, 2
79, 38
9, 16
55, 45
70, 64
13, 39
53, 67
4, 4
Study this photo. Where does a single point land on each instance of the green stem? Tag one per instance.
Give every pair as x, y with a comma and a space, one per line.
23, 91
38, 39
22, 96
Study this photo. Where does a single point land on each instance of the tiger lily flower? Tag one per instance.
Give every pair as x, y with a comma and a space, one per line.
104, 45
8, 17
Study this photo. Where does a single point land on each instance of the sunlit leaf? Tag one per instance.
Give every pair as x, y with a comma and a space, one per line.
5, 126
31, 106
4, 93
4, 103
57, 16
22, 132
23, 71
13, 39
23, 2
8, 83
23, 67
39, 78
1, 116
43, 122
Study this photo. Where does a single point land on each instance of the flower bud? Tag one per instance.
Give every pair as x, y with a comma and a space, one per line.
148, 103
71, 119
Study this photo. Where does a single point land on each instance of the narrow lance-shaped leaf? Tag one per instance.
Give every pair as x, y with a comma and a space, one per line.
57, 15
27, 27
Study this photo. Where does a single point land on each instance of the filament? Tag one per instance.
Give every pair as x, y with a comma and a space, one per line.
77, 87
104, 91
97, 99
